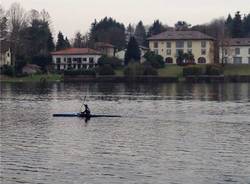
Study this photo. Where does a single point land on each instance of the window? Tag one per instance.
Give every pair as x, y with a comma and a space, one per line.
237, 51
203, 51
179, 51
248, 60
84, 59
69, 60
155, 44
203, 44
58, 60
91, 60
8, 54
225, 60
64, 59
249, 51
179, 44
189, 44
190, 51
156, 51
225, 51
168, 44
237, 60
74, 59
168, 51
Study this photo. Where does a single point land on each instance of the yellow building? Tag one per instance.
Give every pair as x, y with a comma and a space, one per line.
170, 43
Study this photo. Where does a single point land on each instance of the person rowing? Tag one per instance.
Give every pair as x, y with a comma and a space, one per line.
86, 112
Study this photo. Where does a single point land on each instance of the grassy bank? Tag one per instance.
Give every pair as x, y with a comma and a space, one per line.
33, 78
230, 70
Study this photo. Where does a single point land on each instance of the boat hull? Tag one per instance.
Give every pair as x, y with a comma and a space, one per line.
84, 116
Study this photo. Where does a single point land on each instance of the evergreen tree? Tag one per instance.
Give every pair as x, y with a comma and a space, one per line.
78, 40
67, 43
110, 31
3, 24
229, 24
182, 26
61, 42
50, 43
133, 51
156, 28
237, 26
246, 25
130, 31
140, 34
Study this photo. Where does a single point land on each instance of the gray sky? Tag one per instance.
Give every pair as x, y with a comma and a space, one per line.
70, 16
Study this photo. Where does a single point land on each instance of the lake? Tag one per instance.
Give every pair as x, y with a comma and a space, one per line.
169, 133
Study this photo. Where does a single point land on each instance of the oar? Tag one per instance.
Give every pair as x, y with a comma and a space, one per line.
83, 102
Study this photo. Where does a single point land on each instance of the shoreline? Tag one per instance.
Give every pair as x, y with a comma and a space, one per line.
122, 79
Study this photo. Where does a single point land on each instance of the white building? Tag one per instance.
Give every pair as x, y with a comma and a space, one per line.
75, 58
235, 51
5, 57
121, 54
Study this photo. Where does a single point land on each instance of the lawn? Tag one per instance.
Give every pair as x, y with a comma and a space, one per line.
237, 69
33, 78
171, 71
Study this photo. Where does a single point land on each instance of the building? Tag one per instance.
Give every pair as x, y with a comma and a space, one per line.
75, 58
170, 43
235, 51
121, 54
105, 48
5, 56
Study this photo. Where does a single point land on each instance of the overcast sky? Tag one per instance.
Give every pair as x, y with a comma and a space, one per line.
70, 16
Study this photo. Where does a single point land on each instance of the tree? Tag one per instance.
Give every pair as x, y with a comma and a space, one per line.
110, 31
133, 51
156, 28
3, 25
154, 60
140, 34
61, 42
17, 21
237, 26
229, 24
246, 25
182, 26
130, 31
79, 41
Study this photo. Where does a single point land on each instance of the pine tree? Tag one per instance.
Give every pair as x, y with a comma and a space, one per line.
67, 43
246, 25
229, 24
78, 40
133, 51
156, 28
237, 26
130, 31
61, 42
50, 43
140, 34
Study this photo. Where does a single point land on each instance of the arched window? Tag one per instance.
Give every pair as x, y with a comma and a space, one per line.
169, 60
202, 60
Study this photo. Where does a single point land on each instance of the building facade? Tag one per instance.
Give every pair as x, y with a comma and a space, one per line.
5, 57
170, 43
105, 48
75, 58
235, 51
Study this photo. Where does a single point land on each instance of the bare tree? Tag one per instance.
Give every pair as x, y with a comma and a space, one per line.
17, 20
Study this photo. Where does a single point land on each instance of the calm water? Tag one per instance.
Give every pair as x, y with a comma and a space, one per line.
169, 133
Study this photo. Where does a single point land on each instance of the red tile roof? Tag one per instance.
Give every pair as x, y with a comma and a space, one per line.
77, 51
181, 35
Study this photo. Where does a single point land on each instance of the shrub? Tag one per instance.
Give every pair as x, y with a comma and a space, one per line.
154, 60
191, 70
106, 70
214, 70
112, 61
7, 70
90, 72
134, 69
149, 70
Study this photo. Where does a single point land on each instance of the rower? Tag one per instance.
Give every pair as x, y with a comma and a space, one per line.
86, 112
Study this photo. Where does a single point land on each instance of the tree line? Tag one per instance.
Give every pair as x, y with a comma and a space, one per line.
29, 33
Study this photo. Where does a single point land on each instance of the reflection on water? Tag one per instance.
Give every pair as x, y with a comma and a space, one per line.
169, 133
